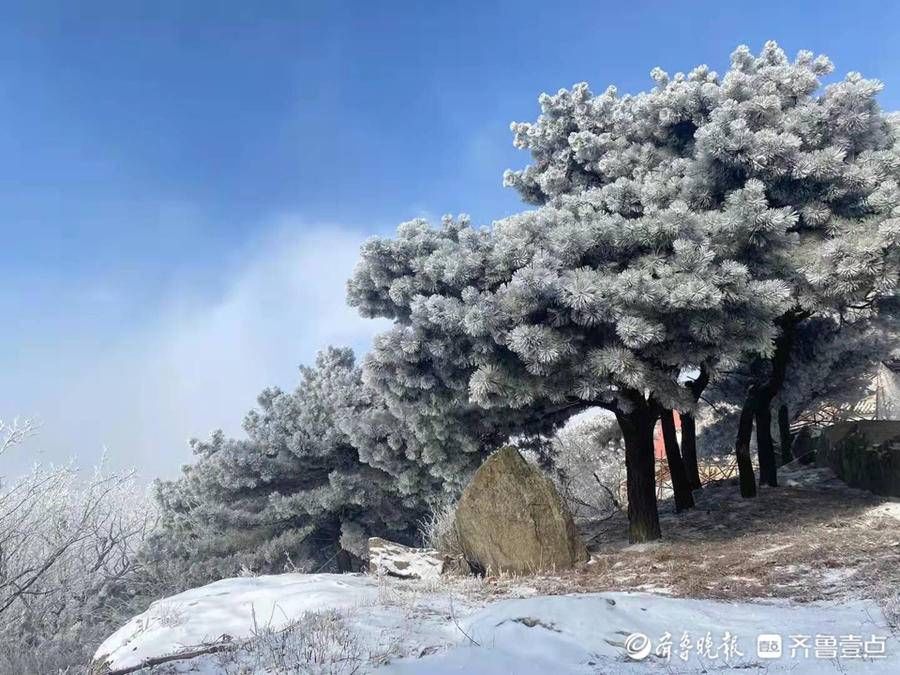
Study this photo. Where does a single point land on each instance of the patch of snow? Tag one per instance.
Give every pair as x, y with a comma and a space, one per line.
885, 510
771, 549
655, 590
644, 547
834, 577
808, 476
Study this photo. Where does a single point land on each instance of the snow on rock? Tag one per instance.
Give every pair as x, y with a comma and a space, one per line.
224, 611
413, 627
404, 562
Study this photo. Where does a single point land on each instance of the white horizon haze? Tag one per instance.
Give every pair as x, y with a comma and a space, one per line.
199, 364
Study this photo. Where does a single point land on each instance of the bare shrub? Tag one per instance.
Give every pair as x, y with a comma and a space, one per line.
68, 552
13, 433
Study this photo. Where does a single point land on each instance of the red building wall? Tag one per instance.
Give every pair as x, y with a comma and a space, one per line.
659, 448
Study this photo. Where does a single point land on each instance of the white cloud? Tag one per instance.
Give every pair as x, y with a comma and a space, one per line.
200, 364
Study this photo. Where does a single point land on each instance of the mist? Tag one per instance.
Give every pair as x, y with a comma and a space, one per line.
197, 364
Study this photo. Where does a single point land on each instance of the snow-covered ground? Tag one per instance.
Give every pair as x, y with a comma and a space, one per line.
415, 627
228, 610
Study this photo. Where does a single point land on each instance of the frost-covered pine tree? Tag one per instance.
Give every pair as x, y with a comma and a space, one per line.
832, 369
422, 426
795, 182
588, 301
294, 493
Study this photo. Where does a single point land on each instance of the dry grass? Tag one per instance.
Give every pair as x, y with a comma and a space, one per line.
812, 539
315, 642
438, 529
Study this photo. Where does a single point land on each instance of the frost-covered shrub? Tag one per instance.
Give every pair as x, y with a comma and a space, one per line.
69, 563
588, 465
716, 429
834, 365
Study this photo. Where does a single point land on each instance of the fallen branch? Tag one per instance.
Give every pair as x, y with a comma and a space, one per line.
104, 669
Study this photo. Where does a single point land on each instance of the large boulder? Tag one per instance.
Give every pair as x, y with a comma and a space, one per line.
511, 519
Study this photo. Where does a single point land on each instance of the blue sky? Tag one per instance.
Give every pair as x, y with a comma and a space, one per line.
183, 185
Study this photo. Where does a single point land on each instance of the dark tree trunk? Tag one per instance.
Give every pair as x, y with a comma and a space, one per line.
760, 395
784, 433
681, 486
689, 430
742, 446
637, 430
689, 448
768, 467
768, 472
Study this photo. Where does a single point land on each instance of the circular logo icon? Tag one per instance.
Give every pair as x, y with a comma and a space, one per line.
637, 646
